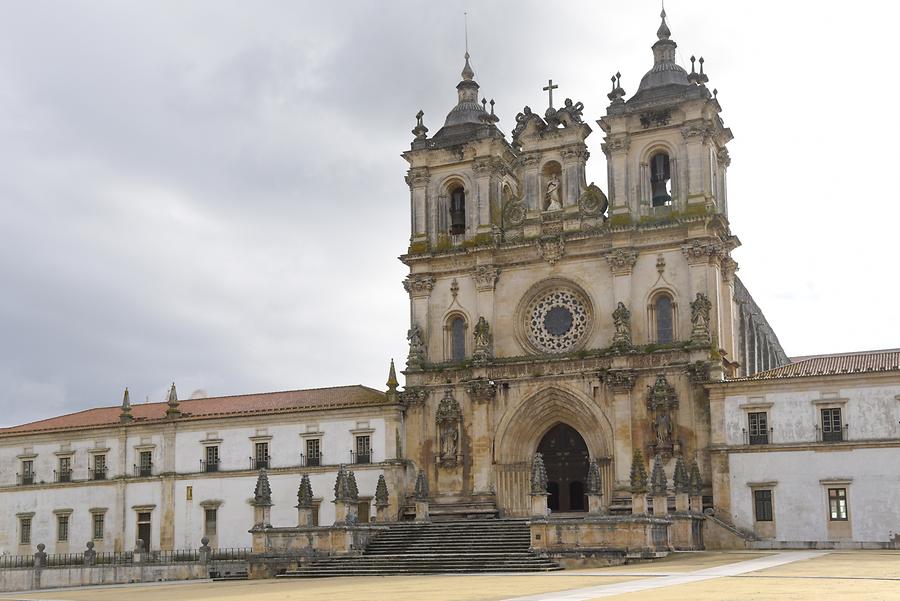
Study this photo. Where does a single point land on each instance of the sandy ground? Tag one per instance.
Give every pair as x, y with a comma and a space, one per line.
852, 575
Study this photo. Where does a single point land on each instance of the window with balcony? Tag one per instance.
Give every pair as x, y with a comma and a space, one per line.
98, 471
832, 425
144, 467
260, 459
313, 452
27, 475
211, 462
363, 449
758, 426
64, 473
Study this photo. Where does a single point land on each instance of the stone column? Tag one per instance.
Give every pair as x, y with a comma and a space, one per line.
418, 179
681, 480
483, 170
482, 392
658, 487
421, 496
533, 195
616, 149
620, 382
419, 287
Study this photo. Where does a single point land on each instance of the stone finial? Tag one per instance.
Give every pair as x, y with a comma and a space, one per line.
204, 544
262, 494
696, 480
342, 491
658, 481
40, 557
680, 478
125, 415
593, 485
90, 556
618, 93
421, 490
663, 32
351, 484
538, 475
638, 473
304, 493
467, 72
172, 410
420, 131
139, 545
392, 382
381, 492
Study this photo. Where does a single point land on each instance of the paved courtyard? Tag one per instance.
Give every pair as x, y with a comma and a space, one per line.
782, 576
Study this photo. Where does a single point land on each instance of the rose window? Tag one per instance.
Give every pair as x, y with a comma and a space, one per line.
557, 320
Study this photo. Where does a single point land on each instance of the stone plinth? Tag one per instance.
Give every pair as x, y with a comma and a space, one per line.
633, 535
539, 505
660, 505
421, 511
382, 513
595, 504
638, 503
682, 502
304, 517
343, 512
697, 503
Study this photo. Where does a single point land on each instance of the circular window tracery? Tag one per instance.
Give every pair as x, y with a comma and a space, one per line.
557, 320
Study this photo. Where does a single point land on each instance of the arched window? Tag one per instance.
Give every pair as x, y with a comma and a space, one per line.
660, 178
664, 316
457, 210
457, 339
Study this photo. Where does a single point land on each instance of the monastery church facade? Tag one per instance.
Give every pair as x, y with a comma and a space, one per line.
601, 330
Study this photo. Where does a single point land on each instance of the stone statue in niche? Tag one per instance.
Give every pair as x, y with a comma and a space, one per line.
622, 322
553, 196
416, 347
449, 417
700, 308
661, 402
483, 337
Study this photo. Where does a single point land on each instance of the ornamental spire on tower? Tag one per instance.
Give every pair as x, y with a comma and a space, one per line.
663, 32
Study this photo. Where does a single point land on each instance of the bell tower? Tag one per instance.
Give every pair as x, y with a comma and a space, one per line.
665, 145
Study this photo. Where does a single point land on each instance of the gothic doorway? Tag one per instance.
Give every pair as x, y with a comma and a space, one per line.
566, 459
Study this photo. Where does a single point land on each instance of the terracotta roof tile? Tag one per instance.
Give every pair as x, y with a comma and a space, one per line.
246, 404
843, 363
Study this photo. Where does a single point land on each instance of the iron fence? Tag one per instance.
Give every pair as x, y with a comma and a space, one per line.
52, 560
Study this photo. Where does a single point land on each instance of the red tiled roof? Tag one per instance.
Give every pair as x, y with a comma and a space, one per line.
843, 363
246, 404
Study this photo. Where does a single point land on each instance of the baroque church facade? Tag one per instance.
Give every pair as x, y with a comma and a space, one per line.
600, 331
548, 316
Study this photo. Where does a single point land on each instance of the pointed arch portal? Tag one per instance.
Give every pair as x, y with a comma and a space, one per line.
566, 459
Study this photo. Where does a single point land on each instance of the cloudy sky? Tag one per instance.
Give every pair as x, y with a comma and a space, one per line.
212, 192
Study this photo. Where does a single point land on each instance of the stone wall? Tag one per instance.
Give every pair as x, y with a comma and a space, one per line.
26, 579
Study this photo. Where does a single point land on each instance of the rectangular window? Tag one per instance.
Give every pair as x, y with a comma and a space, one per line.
832, 426
363, 449
145, 468
65, 470
759, 427
62, 528
28, 472
99, 472
762, 505
837, 504
212, 459
261, 455
99, 519
313, 452
25, 531
209, 521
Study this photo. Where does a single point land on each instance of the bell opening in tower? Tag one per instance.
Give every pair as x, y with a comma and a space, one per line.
457, 211
660, 180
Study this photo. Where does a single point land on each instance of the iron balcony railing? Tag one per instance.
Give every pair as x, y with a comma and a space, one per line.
260, 463
764, 437
24, 479
833, 435
62, 475
97, 473
310, 460
142, 471
209, 466
359, 458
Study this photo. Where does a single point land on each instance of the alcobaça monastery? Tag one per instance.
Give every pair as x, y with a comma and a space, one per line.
583, 365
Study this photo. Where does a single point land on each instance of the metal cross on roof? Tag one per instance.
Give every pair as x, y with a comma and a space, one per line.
550, 87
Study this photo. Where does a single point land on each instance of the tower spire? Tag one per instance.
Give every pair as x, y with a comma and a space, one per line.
663, 32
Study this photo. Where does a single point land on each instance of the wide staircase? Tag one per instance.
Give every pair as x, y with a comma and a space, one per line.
438, 548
